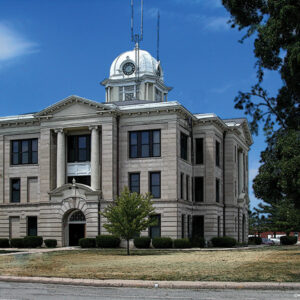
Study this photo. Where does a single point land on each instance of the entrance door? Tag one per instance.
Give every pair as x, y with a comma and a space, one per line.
198, 226
76, 232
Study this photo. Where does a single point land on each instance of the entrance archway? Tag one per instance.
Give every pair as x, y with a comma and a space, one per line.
74, 227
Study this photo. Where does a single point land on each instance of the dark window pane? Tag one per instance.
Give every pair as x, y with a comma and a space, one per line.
217, 190
15, 190
217, 153
34, 157
155, 179
25, 146
82, 155
199, 191
32, 226
15, 146
133, 138
15, 159
145, 151
156, 150
133, 151
82, 143
134, 182
34, 146
156, 137
155, 229
79, 148
25, 158
183, 146
199, 151
155, 184
155, 191
80, 179
145, 137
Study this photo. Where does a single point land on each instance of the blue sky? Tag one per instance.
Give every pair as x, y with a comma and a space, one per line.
50, 49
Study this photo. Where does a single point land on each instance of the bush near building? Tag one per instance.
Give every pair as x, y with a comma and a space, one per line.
197, 242
224, 241
50, 243
182, 243
32, 241
17, 243
4, 243
87, 242
162, 242
254, 240
288, 240
142, 242
107, 241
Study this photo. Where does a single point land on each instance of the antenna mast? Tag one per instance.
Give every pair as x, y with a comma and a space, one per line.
158, 28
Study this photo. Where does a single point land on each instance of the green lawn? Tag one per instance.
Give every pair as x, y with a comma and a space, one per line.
278, 263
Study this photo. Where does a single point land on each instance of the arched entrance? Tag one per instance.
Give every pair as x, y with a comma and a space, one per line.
74, 227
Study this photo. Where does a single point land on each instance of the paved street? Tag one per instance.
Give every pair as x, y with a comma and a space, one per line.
61, 292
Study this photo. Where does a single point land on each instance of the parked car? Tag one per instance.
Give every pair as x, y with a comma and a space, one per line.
266, 241
276, 241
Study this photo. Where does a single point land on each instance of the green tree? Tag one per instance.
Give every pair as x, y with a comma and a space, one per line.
278, 177
129, 215
257, 222
275, 24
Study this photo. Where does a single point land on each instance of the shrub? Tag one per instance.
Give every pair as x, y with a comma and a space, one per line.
224, 241
197, 242
162, 242
182, 243
33, 241
107, 241
87, 243
17, 243
4, 243
254, 240
288, 240
142, 242
50, 243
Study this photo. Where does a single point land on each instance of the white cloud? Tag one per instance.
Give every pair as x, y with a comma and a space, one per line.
217, 24
13, 45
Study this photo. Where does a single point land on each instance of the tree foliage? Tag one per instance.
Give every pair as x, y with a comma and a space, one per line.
276, 27
129, 215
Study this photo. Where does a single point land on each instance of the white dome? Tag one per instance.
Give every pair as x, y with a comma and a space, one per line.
147, 65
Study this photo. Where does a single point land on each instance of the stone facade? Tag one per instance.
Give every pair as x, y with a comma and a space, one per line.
45, 193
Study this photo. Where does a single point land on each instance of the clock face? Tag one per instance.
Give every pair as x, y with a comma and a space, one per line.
128, 68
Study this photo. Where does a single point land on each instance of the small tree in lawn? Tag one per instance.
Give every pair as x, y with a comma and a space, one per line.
129, 215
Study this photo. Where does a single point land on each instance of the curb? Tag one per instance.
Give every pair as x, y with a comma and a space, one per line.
155, 284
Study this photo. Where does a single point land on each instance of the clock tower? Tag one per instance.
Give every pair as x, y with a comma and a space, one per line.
136, 75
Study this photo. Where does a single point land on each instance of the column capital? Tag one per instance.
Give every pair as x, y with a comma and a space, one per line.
59, 130
92, 127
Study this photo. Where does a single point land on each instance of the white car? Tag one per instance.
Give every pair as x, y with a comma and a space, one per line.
276, 241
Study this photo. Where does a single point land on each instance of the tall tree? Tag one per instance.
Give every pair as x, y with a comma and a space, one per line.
129, 215
276, 27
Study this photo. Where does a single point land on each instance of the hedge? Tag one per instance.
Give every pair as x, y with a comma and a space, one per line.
4, 243
288, 240
107, 241
162, 242
87, 242
224, 241
254, 240
197, 242
182, 243
17, 243
142, 242
50, 243
32, 241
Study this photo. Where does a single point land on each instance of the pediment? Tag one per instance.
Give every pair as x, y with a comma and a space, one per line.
72, 106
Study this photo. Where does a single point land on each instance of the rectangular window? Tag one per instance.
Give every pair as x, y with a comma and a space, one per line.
155, 184
219, 226
155, 230
80, 179
198, 226
134, 182
182, 226
199, 151
181, 185
187, 183
24, 152
144, 143
188, 226
15, 187
217, 154
235, 153
79, 148
199, 189
32, 226
183, 146
217, 190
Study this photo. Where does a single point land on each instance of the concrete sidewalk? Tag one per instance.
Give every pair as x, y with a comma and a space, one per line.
155, 284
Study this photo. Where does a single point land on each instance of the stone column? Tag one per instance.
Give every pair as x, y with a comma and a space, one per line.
61, 158
241, 172
95, 158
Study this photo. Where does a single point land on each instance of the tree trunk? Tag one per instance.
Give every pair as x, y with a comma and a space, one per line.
128, 253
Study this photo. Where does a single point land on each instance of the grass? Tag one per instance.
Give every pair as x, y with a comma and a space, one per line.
277, 264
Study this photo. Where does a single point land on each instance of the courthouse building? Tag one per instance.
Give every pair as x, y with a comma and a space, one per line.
62, 165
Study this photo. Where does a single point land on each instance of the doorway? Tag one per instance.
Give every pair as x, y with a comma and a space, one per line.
75, 228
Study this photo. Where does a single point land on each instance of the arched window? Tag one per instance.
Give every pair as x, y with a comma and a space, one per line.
77, 216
